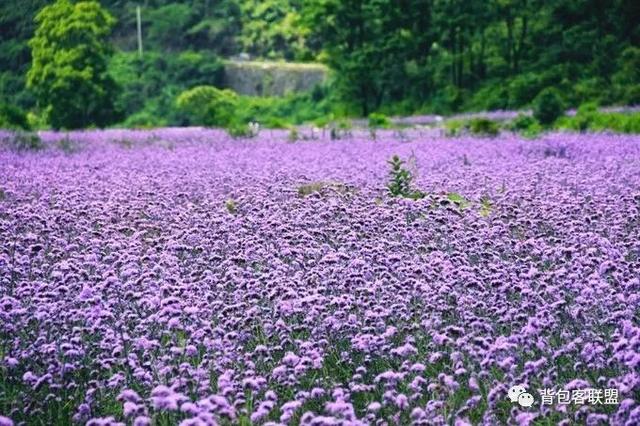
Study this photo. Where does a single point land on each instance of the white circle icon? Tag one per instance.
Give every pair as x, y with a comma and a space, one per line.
525, 399
519, 394
515, 392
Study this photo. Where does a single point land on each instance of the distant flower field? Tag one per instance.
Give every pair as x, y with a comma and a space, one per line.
178, 276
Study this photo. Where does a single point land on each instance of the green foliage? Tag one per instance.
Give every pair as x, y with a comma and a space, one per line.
627, 78
239, 130
271, 122
167, 24
13, 118
17, 26
379, 121
454, 128
282, 112
486, 206
448, 99
368, 44
400, 184
23, 141
521, 122
386, 56
523, 88
150, 84
231, 206
585, 117
481, 55
401, 180
483, 127
215, 27
493, 96
526, 125
36, 120
458, 200
590, 119
144, 120
475, 126
69, 70
209, 106
548, 106
274, 29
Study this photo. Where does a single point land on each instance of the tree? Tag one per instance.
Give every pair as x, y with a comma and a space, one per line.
68, 72
167, 26
378, 49
273, 29
548, 106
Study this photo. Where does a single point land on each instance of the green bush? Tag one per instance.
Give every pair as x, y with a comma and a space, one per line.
526, 125
454, 128
209, 106
588, 118
475, 126
483, 127
548, 106
144, 120
631, 124
12, 118
271, 122
621, 123
239, 130
401, 180
585, 116
521, 122
379, 121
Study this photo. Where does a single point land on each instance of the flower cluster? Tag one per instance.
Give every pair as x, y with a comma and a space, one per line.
130, 294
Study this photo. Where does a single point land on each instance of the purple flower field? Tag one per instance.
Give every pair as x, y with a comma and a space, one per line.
181, 277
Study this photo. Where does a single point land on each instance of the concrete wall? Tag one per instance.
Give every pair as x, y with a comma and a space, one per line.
272, 78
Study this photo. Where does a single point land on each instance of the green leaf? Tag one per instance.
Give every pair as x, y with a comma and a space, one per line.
458, 200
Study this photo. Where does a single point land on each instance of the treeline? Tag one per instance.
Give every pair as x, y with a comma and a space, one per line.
450, 55
391, 56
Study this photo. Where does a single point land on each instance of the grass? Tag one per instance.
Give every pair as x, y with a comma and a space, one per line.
589, 119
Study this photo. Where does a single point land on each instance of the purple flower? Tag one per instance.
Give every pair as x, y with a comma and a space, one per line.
157, 274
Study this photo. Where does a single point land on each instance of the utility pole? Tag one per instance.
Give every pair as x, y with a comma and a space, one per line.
139, 31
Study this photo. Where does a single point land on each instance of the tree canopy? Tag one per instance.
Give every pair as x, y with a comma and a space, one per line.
387, 55
69, 68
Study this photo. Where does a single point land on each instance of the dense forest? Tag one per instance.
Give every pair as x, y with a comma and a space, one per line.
391, 56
